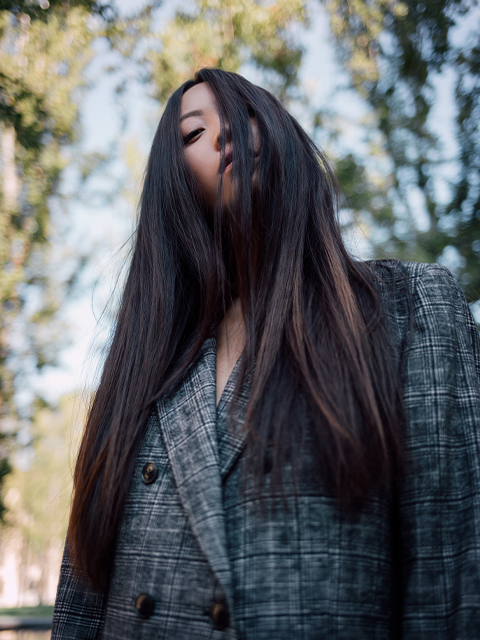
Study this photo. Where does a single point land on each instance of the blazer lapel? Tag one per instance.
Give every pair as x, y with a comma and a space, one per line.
188, 423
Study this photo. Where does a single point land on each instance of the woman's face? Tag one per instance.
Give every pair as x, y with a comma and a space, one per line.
200, 127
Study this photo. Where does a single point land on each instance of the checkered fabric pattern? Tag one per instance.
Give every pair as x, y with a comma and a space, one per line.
407, 566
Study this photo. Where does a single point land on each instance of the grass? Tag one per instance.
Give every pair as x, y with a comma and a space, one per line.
26, 612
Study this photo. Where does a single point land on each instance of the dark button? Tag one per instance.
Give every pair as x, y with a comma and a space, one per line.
220, 615
145, 605
149, 473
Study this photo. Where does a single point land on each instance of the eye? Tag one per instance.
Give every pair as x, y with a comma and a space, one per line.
192, 135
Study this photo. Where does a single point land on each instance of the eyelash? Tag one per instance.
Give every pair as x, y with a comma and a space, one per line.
190, 136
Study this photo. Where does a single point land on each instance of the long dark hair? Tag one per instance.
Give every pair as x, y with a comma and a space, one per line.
316, 342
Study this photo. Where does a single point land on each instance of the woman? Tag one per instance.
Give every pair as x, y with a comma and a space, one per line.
285, 442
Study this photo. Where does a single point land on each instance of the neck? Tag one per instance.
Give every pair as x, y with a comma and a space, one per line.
230, 344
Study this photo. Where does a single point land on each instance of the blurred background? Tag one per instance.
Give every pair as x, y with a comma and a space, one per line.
389, 89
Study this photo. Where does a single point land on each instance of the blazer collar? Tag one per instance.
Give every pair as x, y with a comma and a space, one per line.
188, 423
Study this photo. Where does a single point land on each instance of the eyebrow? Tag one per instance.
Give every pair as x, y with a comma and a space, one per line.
197, 112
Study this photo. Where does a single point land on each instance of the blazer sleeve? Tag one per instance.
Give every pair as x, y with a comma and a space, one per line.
79, 611
439, 501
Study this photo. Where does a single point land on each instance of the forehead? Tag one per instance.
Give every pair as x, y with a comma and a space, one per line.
198, 98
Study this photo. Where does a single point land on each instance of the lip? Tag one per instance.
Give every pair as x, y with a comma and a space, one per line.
226, 165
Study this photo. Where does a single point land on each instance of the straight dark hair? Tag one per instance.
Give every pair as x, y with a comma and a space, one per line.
316, 340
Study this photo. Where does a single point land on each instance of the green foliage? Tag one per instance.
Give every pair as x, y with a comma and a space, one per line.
41, 66
362, 192
40, 10
227, 34
357, 25
393, 50
44, 49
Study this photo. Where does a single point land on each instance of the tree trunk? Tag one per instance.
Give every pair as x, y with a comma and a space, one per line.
10, 178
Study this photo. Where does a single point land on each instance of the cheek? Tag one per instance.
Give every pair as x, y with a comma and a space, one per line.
206, 173
208, 182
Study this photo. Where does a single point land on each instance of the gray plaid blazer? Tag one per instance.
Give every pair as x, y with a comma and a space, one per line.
195, 559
